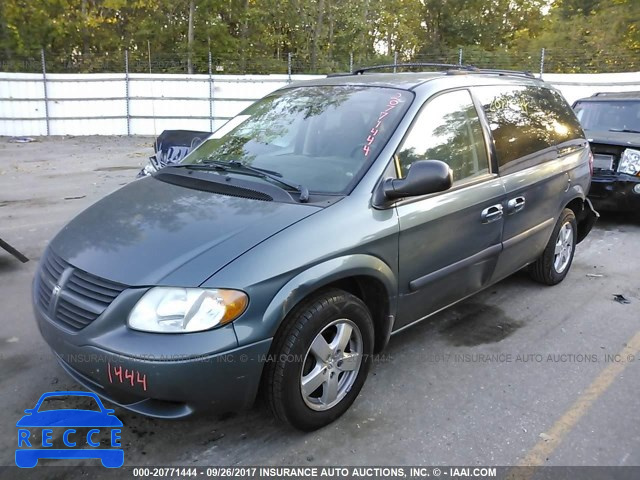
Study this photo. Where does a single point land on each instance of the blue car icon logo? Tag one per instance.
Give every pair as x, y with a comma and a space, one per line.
80, 431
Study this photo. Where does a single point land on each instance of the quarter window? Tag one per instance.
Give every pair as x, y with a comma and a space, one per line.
447, 129
526, 119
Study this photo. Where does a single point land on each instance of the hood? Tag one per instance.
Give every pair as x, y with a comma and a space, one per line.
155, 233
623, 139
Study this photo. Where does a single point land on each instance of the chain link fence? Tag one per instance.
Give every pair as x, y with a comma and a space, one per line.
131, 95
546, 60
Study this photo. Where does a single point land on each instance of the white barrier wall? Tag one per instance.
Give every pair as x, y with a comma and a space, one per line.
147, 104
578, 85
111, 104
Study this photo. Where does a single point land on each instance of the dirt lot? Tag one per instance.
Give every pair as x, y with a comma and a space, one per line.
518, 373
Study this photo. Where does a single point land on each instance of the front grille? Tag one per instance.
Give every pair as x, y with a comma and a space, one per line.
81, 297
51, 270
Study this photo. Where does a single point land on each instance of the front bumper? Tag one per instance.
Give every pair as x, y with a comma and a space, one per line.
615, 192
155, 381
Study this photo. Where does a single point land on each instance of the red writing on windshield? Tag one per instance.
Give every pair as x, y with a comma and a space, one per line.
393, 103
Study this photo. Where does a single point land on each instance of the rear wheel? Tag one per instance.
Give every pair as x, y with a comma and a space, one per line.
554, 263
320, 360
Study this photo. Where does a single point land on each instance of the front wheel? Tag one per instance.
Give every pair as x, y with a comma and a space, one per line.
320, 360
554, 263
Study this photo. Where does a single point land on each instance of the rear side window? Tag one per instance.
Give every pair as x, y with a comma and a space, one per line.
447, 129
526, 119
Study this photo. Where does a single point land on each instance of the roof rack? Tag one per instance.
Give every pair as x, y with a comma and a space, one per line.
522, 73
360, 71
448, 66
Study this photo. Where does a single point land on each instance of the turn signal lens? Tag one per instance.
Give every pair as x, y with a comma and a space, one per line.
235, 302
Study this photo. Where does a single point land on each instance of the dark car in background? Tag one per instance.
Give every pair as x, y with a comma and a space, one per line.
288, 247
612, 125
171, 147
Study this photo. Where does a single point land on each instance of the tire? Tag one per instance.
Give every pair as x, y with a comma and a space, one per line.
317, 323
554, 263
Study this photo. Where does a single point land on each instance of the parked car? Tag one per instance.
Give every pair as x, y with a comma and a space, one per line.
612, 124
171, 147
284, 250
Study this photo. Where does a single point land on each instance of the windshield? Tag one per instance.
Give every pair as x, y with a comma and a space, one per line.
321, 137
614, 115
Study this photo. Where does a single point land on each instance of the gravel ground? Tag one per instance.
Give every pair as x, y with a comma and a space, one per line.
518, 373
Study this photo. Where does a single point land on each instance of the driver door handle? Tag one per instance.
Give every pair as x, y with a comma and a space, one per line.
491, 214
515, 205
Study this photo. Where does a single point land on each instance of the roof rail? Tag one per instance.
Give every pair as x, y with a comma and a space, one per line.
617, 94
523, 73
448, 66
360, 71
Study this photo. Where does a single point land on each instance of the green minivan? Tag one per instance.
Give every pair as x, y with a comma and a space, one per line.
281, 253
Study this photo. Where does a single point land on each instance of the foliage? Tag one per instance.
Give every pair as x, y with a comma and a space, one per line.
258, 36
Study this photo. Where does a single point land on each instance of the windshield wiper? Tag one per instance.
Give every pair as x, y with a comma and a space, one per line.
239, 167
248, 168
624, 130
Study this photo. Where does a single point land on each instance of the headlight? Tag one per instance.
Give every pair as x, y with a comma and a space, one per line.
183, 310
630, 162
148, 169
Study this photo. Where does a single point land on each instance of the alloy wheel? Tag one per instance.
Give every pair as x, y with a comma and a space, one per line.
564, 248
331, 365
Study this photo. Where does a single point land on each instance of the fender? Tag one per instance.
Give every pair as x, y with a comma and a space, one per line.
576, 191
325, 273
586, 218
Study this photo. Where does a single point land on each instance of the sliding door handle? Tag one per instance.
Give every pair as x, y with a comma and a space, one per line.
515, 205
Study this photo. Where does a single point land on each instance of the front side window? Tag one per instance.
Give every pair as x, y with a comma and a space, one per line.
321, 137
610, 115
447, 129
526, 119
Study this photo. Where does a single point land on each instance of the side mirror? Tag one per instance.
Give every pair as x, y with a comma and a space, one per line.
424, 176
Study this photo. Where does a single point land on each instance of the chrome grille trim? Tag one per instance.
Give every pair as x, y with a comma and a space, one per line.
82, 298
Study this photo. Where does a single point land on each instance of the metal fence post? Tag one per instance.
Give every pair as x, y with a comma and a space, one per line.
289, 65
395, 60
351, 62
126, 89
460, 56
541, 62
46, 94
210, 93
149, 53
